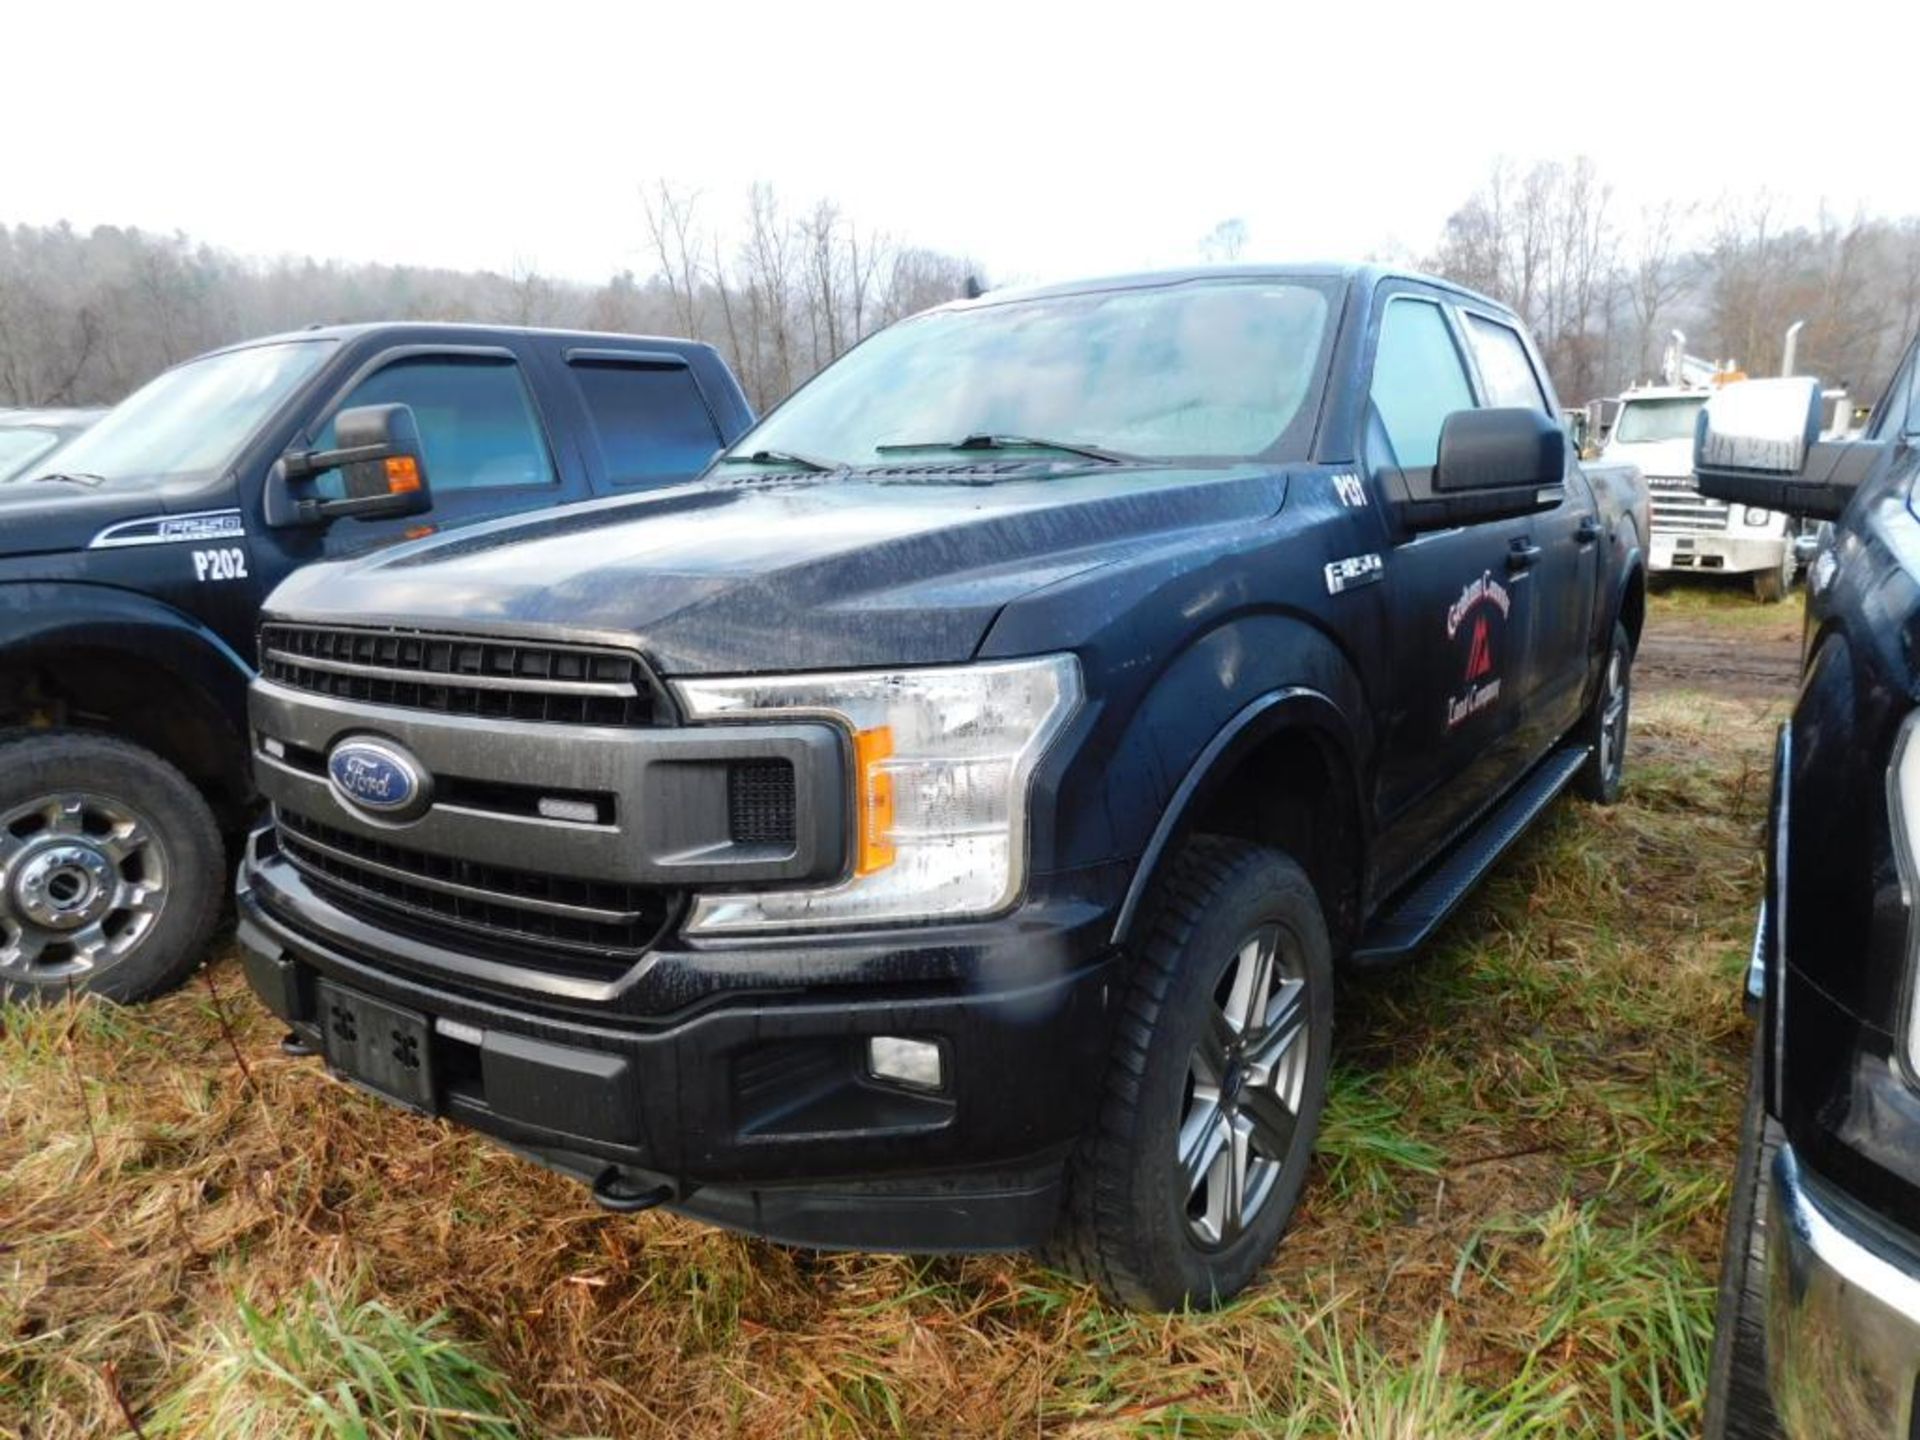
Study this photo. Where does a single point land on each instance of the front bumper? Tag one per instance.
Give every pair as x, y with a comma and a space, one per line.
1717, 553
750, 1105
1843, 1313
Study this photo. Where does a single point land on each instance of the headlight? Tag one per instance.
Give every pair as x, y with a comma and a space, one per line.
1903, 800
942, 763
1754, 515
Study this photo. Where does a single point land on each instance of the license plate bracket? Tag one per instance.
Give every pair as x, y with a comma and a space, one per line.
379, 1046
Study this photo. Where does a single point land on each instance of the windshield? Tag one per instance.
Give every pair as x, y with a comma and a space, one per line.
20, 447
1643, 422
193, 419
1201, 370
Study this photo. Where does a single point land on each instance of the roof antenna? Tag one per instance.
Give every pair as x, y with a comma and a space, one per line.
973, 289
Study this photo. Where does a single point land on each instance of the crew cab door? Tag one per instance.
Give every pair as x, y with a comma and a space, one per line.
483, 429
643, 417
1563, 572
1462, 602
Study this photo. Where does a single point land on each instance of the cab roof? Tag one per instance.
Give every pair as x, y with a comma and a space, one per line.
456, 330
1364, 275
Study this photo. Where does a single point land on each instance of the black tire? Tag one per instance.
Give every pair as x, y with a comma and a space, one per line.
1129, 1223
111, 868
1739, 1406
1603, 730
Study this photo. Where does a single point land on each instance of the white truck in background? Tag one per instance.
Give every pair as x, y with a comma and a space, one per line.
1693, 533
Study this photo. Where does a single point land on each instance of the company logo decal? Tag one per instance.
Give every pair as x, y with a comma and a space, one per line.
379, 778
1355, 570
1349, 491
1479, 615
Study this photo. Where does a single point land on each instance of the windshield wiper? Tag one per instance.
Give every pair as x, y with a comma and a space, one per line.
779, 457
1016, 442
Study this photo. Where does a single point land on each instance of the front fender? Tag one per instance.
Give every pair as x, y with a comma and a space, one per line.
1293, 708
42, 621
1159, 736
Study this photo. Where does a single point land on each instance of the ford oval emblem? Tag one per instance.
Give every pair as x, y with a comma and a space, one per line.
379, 778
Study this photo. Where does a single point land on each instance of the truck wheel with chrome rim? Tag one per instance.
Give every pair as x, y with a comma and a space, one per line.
1604, 728
110, 868
1214, 1089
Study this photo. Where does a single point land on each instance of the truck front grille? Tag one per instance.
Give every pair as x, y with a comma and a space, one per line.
1679, 507
462, 674
588, 927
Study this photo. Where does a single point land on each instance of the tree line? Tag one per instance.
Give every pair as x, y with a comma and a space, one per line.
86, 317
1602, 288
782, 290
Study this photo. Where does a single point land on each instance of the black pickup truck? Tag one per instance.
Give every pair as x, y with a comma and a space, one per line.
939, 827
1819, 1324
133, 564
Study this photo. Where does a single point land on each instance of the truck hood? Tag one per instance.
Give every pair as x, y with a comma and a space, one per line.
783, 573
40, 517
1671, 459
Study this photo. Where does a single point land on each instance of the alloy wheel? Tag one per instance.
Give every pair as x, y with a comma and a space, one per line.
1244, 1085
1613, 718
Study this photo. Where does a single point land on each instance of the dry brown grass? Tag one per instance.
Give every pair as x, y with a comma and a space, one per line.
1513, 1231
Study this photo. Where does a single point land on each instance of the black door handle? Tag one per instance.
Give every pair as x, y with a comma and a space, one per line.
1522, 555
1589, 530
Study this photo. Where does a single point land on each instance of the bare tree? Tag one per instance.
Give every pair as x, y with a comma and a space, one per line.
1658, 276
676, 245
1222, 244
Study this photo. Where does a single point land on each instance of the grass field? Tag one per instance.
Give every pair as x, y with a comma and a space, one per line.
1513, 1229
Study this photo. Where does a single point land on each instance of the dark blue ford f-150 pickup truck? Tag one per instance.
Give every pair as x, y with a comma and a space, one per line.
940, 825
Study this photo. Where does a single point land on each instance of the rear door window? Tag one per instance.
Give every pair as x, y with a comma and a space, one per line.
1504, 367
651, 423
477, 423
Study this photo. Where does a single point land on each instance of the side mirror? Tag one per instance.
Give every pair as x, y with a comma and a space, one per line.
1499, 449
1758, 443
380, 462
1492, 464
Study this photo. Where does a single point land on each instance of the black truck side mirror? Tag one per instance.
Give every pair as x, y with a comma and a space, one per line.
1492, 463
1758, 443
379, 458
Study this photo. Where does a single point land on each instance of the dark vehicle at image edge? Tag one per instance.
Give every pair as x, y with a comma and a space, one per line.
133, 560
939, 827
1819, 1322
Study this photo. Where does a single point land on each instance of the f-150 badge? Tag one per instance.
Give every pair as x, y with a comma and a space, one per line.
1353, 571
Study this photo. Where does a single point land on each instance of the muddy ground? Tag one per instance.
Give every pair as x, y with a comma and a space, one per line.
1715, 638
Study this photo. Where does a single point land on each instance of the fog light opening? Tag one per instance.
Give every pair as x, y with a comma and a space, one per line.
904, 1061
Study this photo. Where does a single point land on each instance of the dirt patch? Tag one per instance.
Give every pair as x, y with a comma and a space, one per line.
1720, 644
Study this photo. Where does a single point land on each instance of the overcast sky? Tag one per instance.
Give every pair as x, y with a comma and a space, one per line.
1044, 141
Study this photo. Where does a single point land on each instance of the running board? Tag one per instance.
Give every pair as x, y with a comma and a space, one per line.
1418, 912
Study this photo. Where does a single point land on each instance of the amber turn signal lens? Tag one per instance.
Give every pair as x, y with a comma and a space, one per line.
403, 475
875, 850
